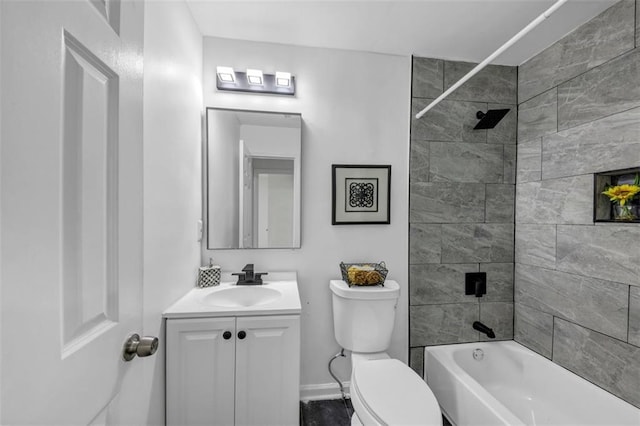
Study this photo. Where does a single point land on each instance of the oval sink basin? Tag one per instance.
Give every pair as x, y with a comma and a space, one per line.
232, 297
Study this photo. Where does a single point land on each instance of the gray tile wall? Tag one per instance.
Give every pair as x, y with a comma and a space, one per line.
603, 38
461, 204
577, 284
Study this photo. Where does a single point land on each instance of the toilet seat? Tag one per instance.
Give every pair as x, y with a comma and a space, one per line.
388, 392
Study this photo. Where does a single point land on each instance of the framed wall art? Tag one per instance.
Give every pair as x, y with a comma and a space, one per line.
361, 194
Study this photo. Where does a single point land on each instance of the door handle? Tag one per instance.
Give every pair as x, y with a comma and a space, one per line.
135, 345
242, 334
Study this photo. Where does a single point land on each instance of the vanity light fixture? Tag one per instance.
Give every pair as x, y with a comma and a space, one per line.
226, 74
255, 81
254, 77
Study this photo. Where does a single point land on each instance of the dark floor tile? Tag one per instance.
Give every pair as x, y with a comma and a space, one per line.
332, 412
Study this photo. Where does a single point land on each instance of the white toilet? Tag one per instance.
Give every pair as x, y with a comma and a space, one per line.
384, 391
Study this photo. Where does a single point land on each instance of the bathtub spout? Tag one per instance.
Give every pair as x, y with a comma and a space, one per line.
477, 325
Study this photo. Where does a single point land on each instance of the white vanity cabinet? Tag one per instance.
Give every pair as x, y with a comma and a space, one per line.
242, 370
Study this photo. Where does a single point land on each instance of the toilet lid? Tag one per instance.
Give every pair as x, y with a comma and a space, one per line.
395, 394
390, 290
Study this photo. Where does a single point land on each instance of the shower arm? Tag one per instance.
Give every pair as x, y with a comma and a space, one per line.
495, 54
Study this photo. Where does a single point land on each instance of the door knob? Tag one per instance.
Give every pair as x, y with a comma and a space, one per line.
226, 335
135, 345
242, 334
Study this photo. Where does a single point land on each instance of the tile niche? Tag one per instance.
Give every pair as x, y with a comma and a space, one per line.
604, 210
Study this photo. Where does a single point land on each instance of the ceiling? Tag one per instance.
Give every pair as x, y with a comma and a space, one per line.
467, 30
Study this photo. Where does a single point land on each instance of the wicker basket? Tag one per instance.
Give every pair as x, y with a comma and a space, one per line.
364, 273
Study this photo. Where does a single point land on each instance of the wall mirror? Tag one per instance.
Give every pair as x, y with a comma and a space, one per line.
252, 183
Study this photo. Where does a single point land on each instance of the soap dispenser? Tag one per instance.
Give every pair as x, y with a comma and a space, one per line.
209, 276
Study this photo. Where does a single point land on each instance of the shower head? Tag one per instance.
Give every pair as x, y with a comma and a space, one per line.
489, 119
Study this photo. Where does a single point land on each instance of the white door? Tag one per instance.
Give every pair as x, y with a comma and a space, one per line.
71, 217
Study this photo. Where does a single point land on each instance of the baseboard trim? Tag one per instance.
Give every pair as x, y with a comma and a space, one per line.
322, 391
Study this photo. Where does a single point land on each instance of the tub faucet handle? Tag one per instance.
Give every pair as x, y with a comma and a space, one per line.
475, 283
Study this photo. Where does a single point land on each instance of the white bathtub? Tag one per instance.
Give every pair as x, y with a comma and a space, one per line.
512, 385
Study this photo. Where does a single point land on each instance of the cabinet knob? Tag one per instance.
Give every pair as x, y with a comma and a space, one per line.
226, 335
242, 334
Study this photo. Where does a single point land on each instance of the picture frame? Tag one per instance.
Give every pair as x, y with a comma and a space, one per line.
361, 194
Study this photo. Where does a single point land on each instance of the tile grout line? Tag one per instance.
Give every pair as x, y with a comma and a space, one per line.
557, 111
629, 316
553, 334
409, 183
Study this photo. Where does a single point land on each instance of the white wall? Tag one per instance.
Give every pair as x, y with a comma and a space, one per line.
355, 110
223, 174
172, 167
271, 141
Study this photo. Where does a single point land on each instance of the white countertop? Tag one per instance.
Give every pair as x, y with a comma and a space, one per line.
193, 305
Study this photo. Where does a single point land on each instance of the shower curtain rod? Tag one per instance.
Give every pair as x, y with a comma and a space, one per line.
495, 54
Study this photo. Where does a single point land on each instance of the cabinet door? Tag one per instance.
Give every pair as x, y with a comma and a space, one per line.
200, 371
268, 371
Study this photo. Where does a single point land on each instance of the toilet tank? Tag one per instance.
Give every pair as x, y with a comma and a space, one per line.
363, 316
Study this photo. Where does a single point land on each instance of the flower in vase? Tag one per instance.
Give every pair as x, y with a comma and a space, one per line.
620, 194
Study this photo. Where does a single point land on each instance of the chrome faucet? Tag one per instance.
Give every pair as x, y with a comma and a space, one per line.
248, 276
477, 325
